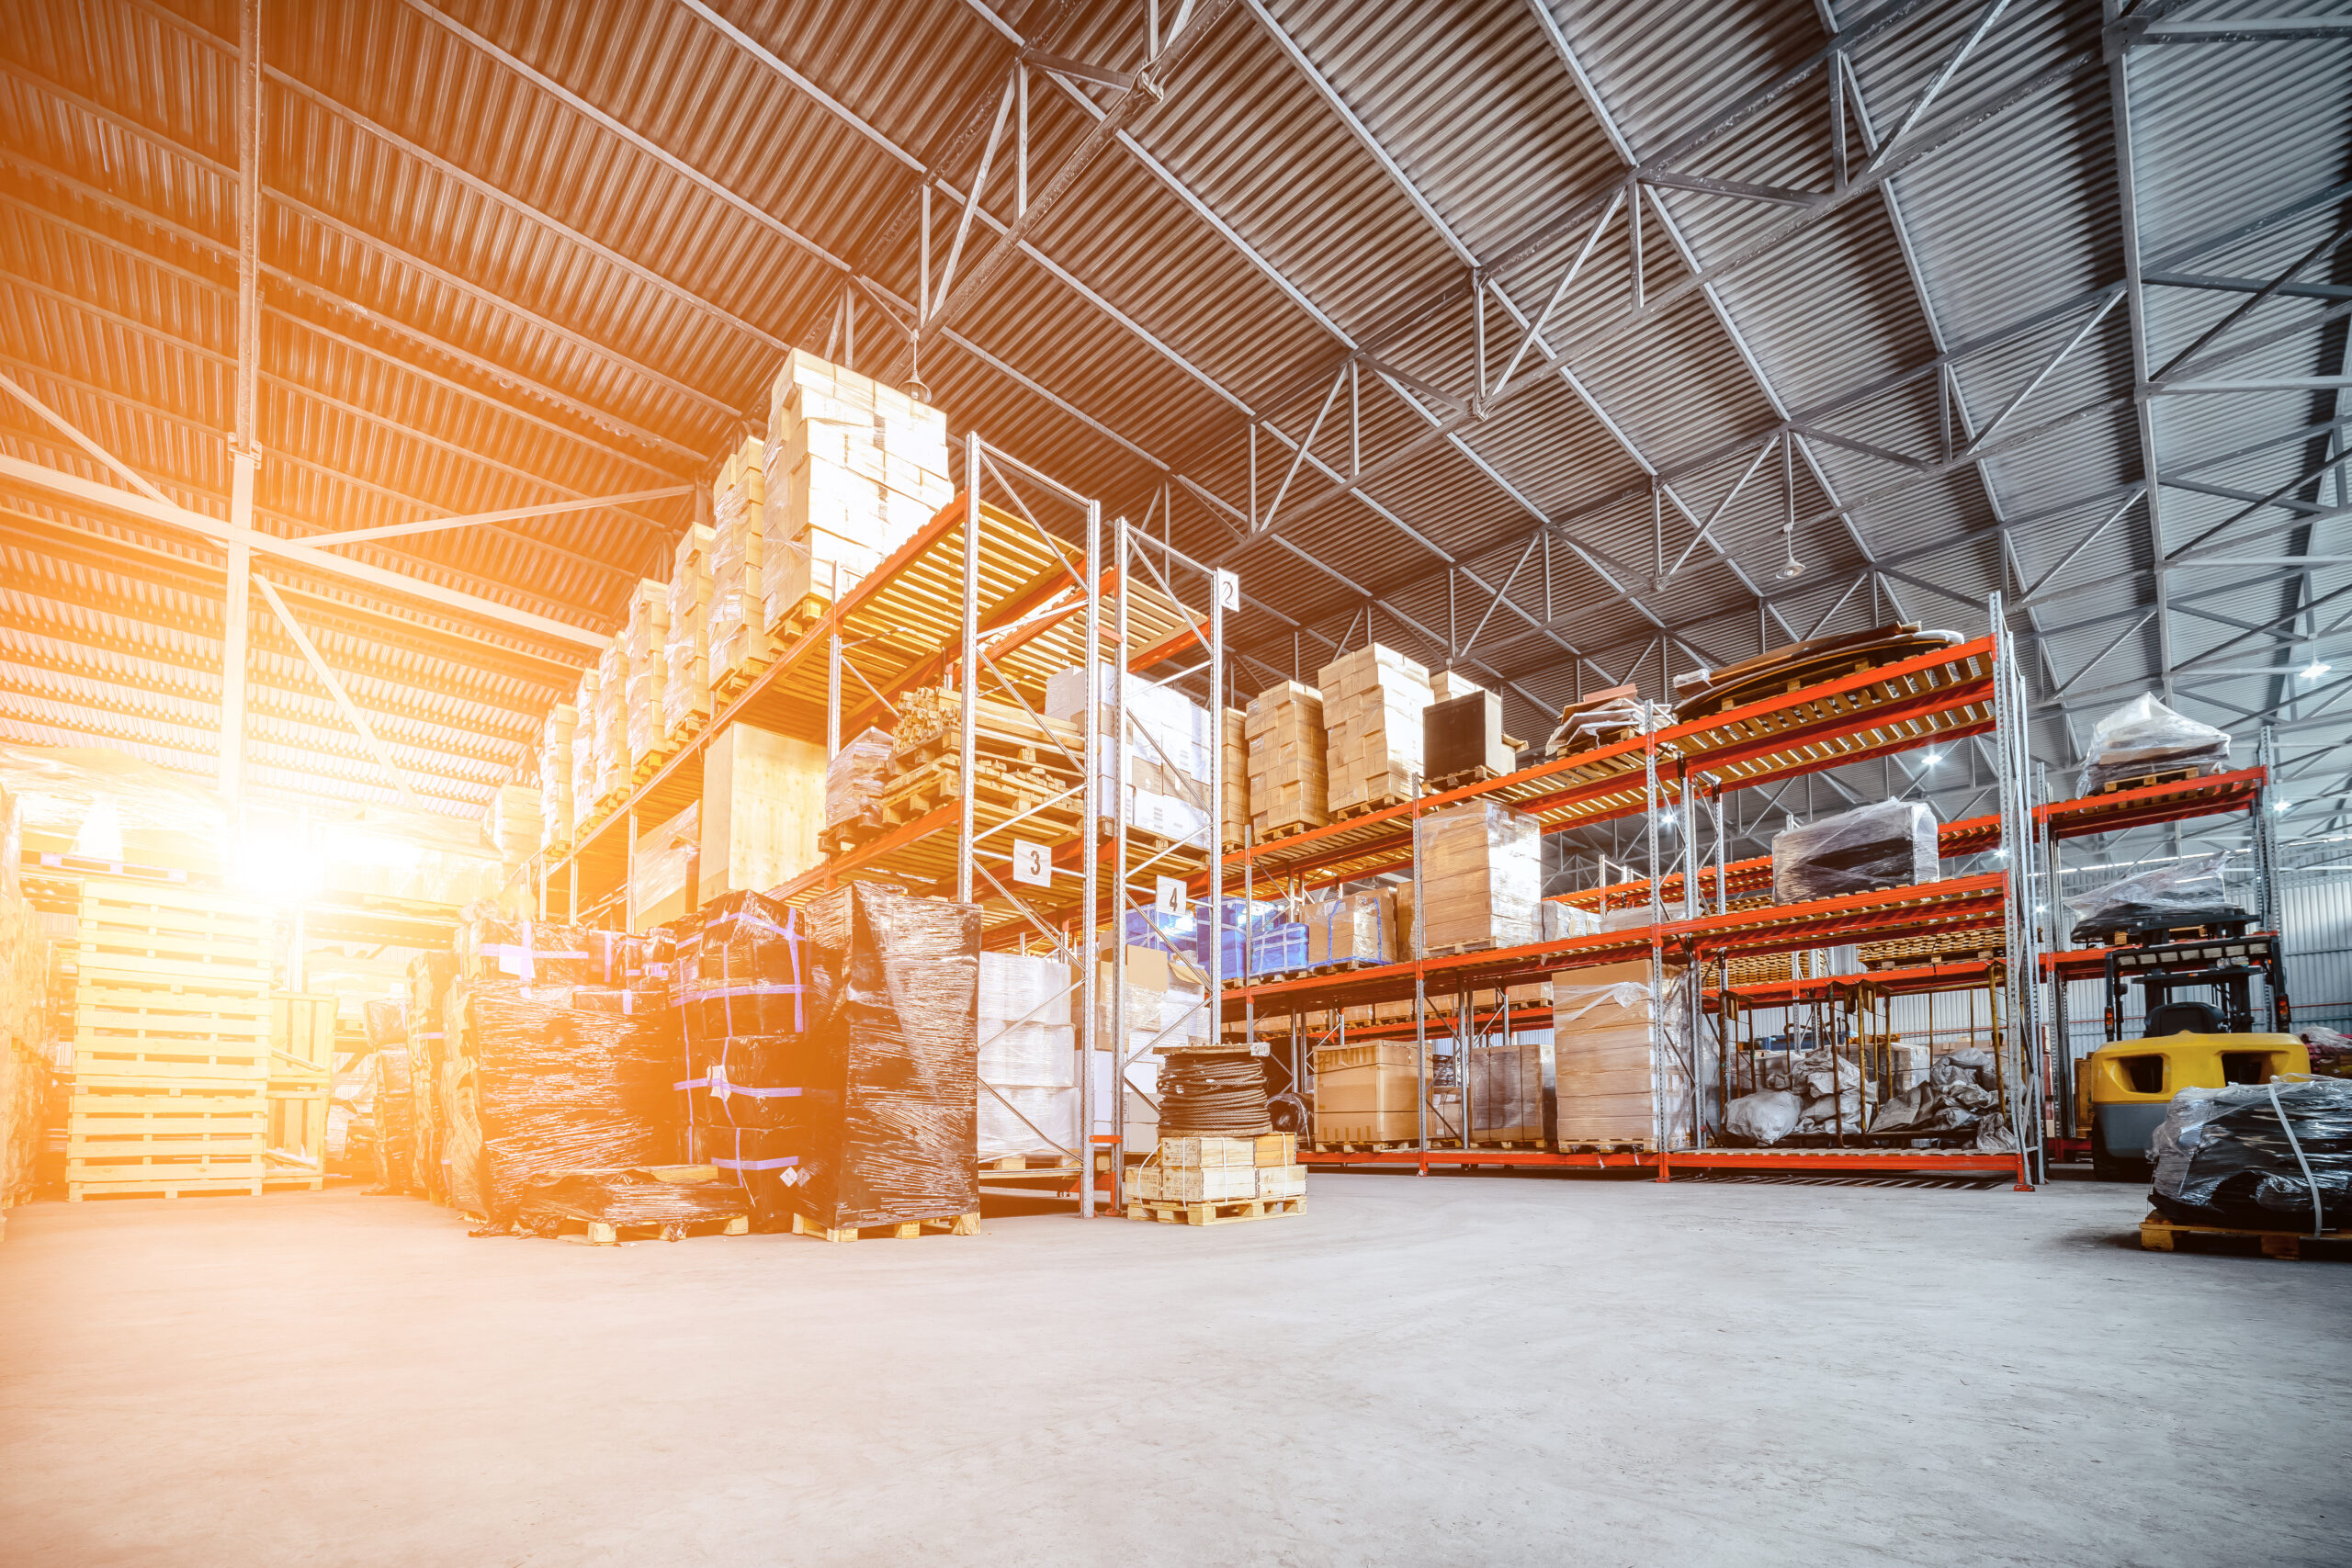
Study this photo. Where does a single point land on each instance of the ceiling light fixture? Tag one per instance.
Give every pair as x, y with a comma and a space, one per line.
2314, 670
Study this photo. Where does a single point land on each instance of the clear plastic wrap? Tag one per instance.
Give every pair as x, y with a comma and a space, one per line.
2186, 892
111, 807
1027, 1060
892, 1059
386, 1020
2144, 737
854, 781
737, 618
429, 978
1582, 727
666, 870
1887, 843
2257, 1157
627, 1198
1482, 875
568, 1077
1353, 928
395, 1115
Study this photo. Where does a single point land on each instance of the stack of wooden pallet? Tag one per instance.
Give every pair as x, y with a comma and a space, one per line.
171, 1046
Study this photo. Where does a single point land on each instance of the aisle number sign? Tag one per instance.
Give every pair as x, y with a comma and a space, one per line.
1173, 897
1031, 863
1228, 590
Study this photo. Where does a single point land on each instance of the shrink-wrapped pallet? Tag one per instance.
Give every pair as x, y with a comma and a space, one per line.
1167, 756
740, 982
584, 749
1027, 1062
1373, 702
429, 978
515, 821
891, 1074
1369, 1093
645, 645
1233, 809
1289, 786
855, 780
1354, 928
2144, 737
1506, 1091
1613, 1047
663, 872
685, 652
556, 776
612, 717
1461, 730
1482, 872
1887, 843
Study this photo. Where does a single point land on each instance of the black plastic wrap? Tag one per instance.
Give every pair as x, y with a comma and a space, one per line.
2189, 892
624, 1198
429, 975
746, 1080
387, 1023
891, 1060
764, 1167
1888, 844
2223, 1157
540, 952
2144, 737
740, 969
395, 1120
567, 1077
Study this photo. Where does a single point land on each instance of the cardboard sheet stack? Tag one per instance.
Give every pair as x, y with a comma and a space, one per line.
555, 775
1605, 717
1372, 701
1461, 730
685, 655
1028, 1059
855, 470
1288, 781
646, 639
1368, 1094
1482, 875
739, 631
1168, 758
1506, 1091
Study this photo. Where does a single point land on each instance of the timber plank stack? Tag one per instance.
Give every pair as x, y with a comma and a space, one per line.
171, 1043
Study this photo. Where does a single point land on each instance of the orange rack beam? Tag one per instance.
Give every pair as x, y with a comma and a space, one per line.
1814, 1162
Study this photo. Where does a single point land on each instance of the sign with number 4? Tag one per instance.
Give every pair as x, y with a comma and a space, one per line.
1031, 863
1174, 898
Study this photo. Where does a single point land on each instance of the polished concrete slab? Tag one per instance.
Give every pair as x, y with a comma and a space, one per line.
1461, 1371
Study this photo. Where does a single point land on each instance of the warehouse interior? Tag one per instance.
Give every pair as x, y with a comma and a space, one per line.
1643, 692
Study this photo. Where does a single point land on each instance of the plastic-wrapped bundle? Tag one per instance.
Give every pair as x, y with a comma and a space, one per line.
1961, 1090
568, 1077
396, 1169
386, 1019
2187, 892
2257, 1157
1482, 873
738, 614
540, 952
2144, 737
854, 781
1027, 1060
893, 1062
685, 649
644, 641
1356, 928
1888, 844
621, 1198
429, 978
742, 969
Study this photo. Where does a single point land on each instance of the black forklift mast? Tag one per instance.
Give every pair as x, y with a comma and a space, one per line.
2225, 959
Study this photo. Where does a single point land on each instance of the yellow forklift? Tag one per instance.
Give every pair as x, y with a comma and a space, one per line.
2122, 1088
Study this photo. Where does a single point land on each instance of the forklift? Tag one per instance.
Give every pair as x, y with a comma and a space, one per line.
2122, 1089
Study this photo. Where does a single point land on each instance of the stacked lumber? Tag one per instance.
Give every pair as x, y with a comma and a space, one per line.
1800, 664
686, 674
1603, 720
930, 720
854, 470
556, 775
171, 1043
1288, 784
1373, 702
739, 642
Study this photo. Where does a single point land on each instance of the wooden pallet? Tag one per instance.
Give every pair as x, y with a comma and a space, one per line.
169, 1064
1365, 808
1511, 1143
947, 1224
654, 758
1018, 1162
734, 683
598, 1233
2148, 781
2160, 1235
1480, 774
1603, 1145
995, 785
1287, 830
1406, 1144
79, 1190
1229, 1211
793, 624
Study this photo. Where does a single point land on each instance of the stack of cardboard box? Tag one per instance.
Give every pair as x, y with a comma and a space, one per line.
1604, 1033
739, 631
1461, 730
1368, 1093
1233, 813
1354, 928
685, 677
1221, 1170
611, 726
1372, 701
646, 641
1481, 877
555, 775
1288, 787
515, 821
855, 470
1028, 1059
1168, 757
583, 748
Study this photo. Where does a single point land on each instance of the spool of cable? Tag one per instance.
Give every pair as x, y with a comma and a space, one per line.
1213, 1095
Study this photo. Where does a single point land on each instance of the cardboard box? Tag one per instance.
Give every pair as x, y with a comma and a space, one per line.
661, 875
762, 803
1481, 877
1603, 1047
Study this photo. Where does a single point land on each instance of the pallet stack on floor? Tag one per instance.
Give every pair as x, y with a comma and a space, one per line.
1209, 1181
171, 1045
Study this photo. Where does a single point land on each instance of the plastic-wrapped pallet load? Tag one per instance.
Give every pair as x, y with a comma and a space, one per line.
1372, 701
892, 1052
1354, 928
1482, 872
663, 874
2270, 1157
686, 651
742, 986
1612, 1044
1233, 806
1289, 787
514, 821
583, 751
2186, 892
854, 781
612, 716
1369, 1093
629, 1199
1888, 844
429, 978
739, 633
1028, 1057
1506, 1091
645, 641
2144, 737
555, 775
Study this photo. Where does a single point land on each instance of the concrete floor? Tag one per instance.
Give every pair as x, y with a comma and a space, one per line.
1441, 1371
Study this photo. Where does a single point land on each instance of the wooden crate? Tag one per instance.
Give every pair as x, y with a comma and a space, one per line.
156, 930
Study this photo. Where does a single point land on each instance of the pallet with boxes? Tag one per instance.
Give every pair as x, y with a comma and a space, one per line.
172, 1051
1212, 1180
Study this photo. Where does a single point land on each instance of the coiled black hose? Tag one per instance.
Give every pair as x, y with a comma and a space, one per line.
1216, 1095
